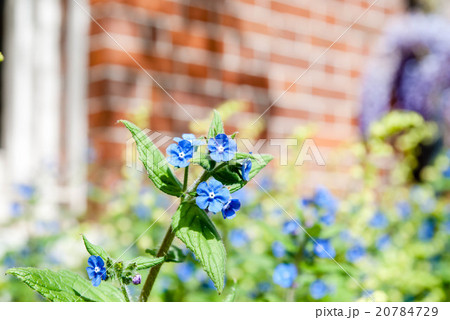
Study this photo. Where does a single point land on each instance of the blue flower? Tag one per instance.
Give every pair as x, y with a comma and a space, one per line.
185, 271
291, 227
446, 172
96, 270
222, 148
16, 209
404, 209
238, 238
278, 249
230, 208
379, 221
196, 142
324, 249
212, 195
180, 154
383, 242
25, 191
285, 274
355, 253
324, 199
245, 169
318, 289
426, 230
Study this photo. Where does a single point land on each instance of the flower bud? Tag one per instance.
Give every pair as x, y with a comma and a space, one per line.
137, 279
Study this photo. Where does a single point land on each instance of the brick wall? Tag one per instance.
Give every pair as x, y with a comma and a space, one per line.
204, 52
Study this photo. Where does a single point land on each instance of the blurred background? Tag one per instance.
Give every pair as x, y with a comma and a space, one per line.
324, 69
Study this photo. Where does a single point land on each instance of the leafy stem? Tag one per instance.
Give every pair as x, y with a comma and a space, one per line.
153, 274
124, 291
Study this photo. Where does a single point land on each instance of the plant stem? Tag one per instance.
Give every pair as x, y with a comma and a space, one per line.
124, 291
149, 282
170, 235
186, 176
165, 245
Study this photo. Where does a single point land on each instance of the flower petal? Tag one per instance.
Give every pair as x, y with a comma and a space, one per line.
90, 272
203, 189
215, 206
92, 261
96, 281
202, 201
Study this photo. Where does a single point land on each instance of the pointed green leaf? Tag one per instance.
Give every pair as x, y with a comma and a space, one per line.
174, 254
192, 226
65, 286
216, 126
230, 175
95, 250
154, 162
146, 262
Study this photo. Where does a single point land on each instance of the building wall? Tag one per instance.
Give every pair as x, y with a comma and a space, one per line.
204, 52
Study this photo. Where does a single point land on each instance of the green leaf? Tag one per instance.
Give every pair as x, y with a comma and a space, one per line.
230, 175
95, 250
65, 286
203, 160
154, 162
216, 126
145, 262
174, 254
192, 226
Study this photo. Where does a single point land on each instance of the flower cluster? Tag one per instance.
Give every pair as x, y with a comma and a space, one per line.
211, 195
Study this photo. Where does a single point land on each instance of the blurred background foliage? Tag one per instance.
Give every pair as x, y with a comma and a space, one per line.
387, 238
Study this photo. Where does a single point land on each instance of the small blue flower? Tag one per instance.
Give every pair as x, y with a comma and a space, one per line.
285, 274
137, 279
383, 242
324, 249
180, 154
278, 249
238, 238
404, 209
96, 270
426, 230
196, 142
355, 253
324, 199
230, 208
222, 148
16, 209
446, 173
318, 289
212, 195
185, 271
379, 221
25, 191
245, 169
291, 227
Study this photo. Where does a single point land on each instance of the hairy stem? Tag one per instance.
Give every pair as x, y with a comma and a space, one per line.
153, 274
170, 235
124, 291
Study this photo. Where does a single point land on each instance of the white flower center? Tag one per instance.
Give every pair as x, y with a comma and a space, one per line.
96, 269
220, 149
211, 195
181, 155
